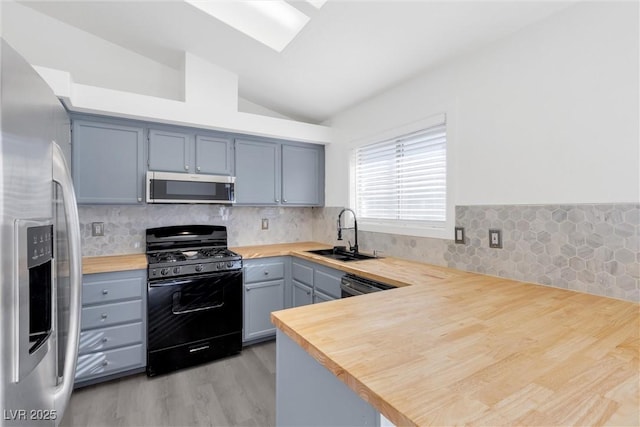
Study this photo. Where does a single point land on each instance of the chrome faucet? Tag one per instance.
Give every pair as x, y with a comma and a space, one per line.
353, 248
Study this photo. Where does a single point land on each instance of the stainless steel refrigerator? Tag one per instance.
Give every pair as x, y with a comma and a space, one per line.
40, 261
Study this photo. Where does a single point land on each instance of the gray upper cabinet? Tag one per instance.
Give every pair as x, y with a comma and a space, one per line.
107, 162
302, 175
214, 155
272, 173
257, 172
171, 151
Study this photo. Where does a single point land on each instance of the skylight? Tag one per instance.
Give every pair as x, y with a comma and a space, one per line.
272, 22
317, 3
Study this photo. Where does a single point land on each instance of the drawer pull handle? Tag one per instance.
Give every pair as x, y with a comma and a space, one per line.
105, 292
105, 362
104, 316
105, 339
266, 273
203, 347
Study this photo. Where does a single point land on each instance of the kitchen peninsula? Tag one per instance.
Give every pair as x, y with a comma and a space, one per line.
450, 347
460, 349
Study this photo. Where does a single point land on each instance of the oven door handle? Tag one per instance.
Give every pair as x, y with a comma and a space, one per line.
169, 283
193, 310
176, 299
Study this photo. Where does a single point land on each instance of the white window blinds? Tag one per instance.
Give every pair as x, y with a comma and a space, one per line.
403, 179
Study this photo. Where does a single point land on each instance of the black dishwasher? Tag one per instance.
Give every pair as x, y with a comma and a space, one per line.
352, 285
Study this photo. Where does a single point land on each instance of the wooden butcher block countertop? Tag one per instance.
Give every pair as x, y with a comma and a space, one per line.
479, 350
395, 271
109, 264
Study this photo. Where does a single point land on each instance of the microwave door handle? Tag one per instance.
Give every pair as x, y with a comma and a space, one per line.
63, 178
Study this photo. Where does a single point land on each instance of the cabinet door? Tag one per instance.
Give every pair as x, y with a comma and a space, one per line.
257, 173
169, 151
302, 175
260, 299
213, 155
302, 294
320, 297
327, 281
108, 164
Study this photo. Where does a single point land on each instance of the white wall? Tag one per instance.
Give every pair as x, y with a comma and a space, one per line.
549, 115
45, 41
99, 77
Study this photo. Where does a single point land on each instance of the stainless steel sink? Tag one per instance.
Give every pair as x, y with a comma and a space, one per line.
341, 254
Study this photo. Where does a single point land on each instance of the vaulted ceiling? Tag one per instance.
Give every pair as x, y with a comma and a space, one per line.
348, 52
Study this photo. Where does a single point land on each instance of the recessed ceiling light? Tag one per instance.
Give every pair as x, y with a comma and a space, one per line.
272, 22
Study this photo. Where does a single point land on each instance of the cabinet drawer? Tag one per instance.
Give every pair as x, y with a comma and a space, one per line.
108, 338
111, 314
109, 362
328, 283
302, 273
262, 272
101, 291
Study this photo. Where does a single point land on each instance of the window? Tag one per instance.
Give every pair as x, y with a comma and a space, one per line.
402, 181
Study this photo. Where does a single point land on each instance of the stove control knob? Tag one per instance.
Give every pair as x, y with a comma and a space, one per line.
230, 264
164, 271
199, 268
176, 270
220, 265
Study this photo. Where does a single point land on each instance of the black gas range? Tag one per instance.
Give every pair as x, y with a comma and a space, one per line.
189, 249
194, 297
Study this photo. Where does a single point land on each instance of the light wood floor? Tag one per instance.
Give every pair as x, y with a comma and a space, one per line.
236, 391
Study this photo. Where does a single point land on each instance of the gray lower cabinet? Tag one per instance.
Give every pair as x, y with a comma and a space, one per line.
264, 287
107, 162
321, 297
112, 326
313, 283
272, 173
301, 294
308, 394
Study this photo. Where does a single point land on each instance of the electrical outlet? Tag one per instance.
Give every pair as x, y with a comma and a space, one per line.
495, 238
97, 229
459, 238
265, 223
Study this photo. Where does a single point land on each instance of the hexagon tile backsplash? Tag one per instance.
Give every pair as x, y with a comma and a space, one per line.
588, 248
593, 248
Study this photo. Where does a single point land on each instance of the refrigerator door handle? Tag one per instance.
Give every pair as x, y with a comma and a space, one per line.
62, 176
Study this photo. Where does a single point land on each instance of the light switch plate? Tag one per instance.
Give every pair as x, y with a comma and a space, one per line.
459, 234
265, 223
495, 238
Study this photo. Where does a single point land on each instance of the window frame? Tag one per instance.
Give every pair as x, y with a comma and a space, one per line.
439, 230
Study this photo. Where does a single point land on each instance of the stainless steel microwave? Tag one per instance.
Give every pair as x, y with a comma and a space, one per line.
168, 187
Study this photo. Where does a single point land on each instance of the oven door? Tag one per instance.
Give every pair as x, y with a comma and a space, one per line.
189, 309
